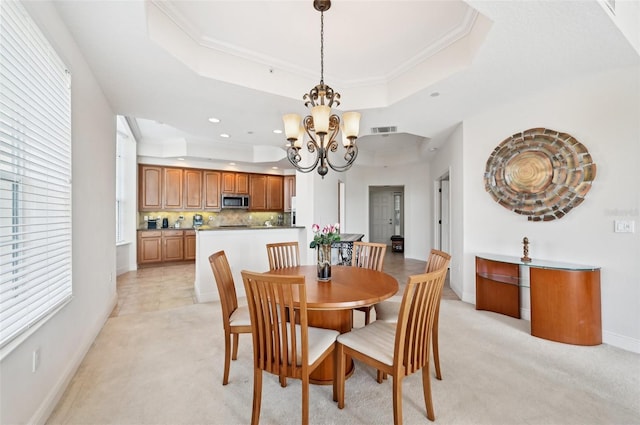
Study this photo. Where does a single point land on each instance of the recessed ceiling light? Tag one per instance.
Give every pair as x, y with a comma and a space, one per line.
277, 131
232, 163
274, 168
225, 135
214, 120
180, 159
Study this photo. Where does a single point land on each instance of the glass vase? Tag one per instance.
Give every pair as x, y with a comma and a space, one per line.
324, 262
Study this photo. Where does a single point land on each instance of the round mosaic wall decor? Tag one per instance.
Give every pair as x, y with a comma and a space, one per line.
540, 173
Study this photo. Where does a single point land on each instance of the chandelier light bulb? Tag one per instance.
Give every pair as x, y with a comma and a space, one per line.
351, 124
345, 140
291, 126
300, 139
320, 116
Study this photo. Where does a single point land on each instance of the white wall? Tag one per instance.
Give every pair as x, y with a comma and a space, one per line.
126, 258
26, 396
602, 112
316, 203
449, 159
418, 196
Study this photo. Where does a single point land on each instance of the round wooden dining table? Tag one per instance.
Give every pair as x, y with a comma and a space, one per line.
330, 304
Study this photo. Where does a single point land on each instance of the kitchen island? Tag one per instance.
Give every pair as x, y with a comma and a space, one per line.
245, 247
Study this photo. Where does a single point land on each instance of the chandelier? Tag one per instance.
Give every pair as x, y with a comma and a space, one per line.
321, 126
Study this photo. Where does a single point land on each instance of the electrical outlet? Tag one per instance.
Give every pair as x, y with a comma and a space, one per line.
624, 226
35, 360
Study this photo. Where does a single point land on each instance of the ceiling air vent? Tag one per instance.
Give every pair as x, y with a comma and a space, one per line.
383, 130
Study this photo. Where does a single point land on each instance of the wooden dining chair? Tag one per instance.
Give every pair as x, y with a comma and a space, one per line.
234, 319
398, 349
368, 255
284, 348
283, 254
388, 309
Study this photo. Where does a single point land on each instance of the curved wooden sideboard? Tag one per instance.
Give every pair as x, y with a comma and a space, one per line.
565, 298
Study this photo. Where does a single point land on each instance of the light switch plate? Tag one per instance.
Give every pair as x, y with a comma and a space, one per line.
624, 226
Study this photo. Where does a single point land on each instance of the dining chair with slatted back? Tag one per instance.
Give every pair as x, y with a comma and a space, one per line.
388, 309
398, 349
235, 319
281, 347
283, 254
368, 255
437, 260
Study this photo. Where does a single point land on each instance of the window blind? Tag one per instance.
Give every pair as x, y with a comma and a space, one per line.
35, 175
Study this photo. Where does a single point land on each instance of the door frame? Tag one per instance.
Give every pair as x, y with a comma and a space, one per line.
442, 216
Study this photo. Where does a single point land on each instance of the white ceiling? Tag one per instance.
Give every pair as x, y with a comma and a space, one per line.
170, 65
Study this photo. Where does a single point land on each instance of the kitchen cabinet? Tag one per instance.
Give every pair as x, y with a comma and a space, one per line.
172, 245
266, 192
150, 191
258, 192
192, 189
289, 191
150, 247
236, 183
211, 189
184, 189
275, 193
158, 246
189, 244
172, 187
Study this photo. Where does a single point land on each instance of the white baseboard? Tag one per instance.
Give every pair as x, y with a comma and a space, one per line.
621, 341
41, 415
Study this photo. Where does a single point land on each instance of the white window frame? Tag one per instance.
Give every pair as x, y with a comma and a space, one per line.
35, 176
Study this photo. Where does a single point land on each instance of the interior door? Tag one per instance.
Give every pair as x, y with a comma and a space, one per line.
382, 215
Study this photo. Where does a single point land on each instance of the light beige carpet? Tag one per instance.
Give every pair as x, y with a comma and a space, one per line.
165, 367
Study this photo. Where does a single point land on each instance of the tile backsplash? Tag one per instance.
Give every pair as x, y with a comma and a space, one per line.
221, 218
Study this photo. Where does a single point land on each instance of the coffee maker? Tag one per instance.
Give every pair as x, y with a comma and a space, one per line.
197, 220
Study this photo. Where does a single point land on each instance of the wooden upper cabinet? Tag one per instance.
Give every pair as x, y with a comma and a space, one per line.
266, 193
180, 189
150, 193
228, 183
211, 189
192, 189
173, 185
242, 183
289, 191
237, 183
258, 192
275, 193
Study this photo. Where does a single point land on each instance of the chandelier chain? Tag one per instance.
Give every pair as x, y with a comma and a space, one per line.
321, 47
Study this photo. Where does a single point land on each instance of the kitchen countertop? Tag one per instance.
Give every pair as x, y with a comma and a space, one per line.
226, 227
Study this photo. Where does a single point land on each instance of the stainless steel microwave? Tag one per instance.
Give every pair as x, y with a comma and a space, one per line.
235, 201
